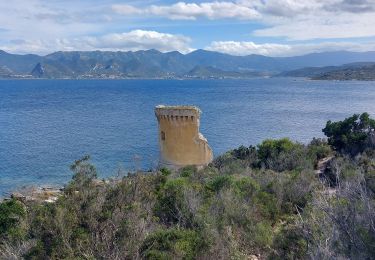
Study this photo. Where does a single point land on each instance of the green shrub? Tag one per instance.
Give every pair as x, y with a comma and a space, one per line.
289, 244
172, 244
246, 187
248, 154
165, 171
268, 205
282, 154
188, 171
12, 213
350, 136
83, 174
318, 149
263, 234
170, 206
219, 182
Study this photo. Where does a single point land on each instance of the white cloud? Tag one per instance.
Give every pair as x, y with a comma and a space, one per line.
285, 50
41, 26
129, 41
141, 40
291, 19
317, 19
192, 11
246, 48
324, 28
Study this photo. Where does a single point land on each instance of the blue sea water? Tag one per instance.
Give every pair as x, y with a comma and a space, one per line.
47, 124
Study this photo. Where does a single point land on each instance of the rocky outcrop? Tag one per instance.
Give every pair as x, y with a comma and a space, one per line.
38, 71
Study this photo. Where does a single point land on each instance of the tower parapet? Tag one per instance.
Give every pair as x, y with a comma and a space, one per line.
180, 141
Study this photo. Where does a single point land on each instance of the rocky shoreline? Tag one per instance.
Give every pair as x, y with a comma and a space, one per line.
46, 193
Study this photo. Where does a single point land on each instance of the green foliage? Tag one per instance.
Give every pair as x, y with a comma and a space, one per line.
270, 148
282, 154
350, 136
267, 205
165, 171
219, 182
246, 187
265, 200
248, 154
12, 213
173, 244
289, 244
83, 173
318, 149
170, 207
188, 171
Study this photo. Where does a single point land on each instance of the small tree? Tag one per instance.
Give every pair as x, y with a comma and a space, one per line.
83, 172
352, 135
12, 213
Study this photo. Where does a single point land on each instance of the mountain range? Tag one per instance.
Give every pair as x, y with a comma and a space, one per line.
351, 71
155, 64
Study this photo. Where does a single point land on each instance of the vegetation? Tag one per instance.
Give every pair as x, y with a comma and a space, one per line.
264, 201
352, 135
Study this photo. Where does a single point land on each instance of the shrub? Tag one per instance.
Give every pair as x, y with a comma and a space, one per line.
83, 173
171, 207
289, 244
281, 154
350, 136
248, 154
268, 205
246, 187
172, 244
188, 171
12, 213
318, 149
219, 182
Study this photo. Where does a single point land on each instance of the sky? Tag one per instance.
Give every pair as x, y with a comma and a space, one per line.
240, 27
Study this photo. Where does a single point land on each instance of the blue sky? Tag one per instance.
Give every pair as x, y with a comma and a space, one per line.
238, 27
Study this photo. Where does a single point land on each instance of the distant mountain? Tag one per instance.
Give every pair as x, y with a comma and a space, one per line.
155, 64
19, 64
365, 72
351, 71
202, 72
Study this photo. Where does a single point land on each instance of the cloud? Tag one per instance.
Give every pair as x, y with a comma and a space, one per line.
285, 50
315, 27
192, 11
128, 41
141, 40
246, 48
290, 19
317, 19
353, 6
42, 26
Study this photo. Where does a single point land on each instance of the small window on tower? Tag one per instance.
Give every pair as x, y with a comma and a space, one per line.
162, 135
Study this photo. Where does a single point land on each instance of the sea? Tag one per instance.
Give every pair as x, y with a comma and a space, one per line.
45, 125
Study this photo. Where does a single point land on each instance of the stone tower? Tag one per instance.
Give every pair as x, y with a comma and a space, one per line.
180, 142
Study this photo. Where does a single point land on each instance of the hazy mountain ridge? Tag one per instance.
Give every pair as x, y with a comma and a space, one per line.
155, 64
351, 71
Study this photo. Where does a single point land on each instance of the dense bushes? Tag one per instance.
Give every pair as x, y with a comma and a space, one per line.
172, 243
352, 135
262, 201
12, 214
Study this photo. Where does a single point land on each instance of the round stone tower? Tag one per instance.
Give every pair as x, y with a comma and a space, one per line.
180, 142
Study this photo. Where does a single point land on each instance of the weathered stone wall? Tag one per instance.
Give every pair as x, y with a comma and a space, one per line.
180, 142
